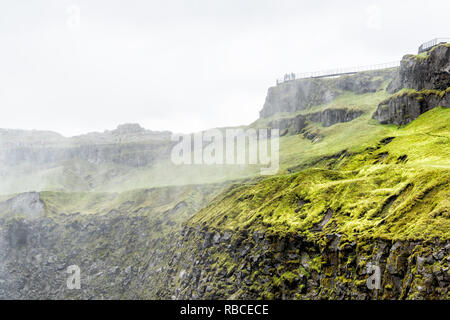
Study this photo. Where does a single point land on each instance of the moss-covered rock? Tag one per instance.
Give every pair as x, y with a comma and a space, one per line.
314, 234
406, 105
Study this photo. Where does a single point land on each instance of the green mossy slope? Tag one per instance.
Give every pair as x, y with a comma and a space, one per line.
397, 189
314, 233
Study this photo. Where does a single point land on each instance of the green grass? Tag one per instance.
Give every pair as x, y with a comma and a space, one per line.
416, 94
373, 193
425, 55
353, 136
139, 201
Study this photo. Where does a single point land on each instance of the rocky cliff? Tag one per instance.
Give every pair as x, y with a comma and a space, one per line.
258, 265
39, 160
407, 105
422, 83
326, 118
120, 242
129, 145
428, 70
302, 94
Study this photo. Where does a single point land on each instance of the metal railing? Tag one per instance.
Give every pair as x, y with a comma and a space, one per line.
336, 72
432, 43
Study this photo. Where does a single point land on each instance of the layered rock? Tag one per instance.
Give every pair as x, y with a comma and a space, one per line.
296, 96
425, 80
429, 70
301, 94
293, 125
406, 106
129, 154
109, 250
326, 118
27, 204
259, 265
129, 145
329, 117
121, 252
33, 160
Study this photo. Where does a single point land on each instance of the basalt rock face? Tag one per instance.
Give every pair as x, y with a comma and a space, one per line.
329, 117
364, 82
120, 253
289, 125
110, 250
326, 118
301, 94
252, 266
28, 204
431, 70
424, 80
402, 109
297, 95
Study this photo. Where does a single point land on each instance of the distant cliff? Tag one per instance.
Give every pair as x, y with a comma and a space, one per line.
43, 147
116, 146
42, 160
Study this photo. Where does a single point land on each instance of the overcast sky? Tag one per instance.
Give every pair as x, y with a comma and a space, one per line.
88, 65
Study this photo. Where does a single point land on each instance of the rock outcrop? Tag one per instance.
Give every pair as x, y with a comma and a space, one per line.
327, 117
121, 252
429, 70
297, 95
301, 94
424, 81
407, 105
258, 265
109, 250
27, 204
293, 125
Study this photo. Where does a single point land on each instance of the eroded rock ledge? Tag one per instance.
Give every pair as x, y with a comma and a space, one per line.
407, 105
422, 83
429, 70
326, 118
301, 94
212, 265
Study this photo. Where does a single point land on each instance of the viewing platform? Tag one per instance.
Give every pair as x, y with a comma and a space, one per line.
432, 43
336, 72
352, 70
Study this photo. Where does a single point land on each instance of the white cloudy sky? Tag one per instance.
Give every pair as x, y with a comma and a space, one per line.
185, 65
